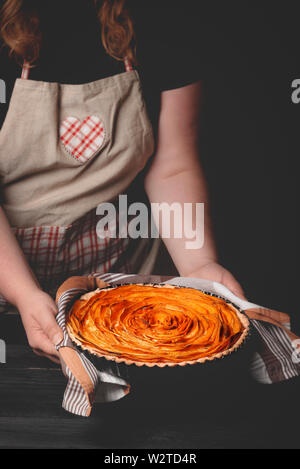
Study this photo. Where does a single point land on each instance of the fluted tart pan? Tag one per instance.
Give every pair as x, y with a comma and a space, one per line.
156, 325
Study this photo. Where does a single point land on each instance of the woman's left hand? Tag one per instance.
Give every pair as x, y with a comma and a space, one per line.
215, 272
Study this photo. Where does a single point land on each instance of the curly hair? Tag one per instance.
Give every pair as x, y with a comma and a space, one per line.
20, 29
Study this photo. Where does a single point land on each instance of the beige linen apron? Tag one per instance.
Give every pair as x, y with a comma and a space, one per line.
65, 149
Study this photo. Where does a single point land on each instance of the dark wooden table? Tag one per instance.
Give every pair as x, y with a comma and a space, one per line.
31, 390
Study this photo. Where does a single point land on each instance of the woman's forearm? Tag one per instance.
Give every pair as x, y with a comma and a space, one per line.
184, 186
16, 276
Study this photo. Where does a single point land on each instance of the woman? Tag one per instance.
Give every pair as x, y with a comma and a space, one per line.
77, 134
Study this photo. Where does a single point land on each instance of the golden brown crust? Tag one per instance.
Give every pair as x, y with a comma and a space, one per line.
139, 324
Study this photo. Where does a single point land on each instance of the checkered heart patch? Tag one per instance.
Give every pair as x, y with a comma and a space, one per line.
82, 139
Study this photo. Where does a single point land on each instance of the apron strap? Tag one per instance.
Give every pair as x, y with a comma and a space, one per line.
128, 65
26, 68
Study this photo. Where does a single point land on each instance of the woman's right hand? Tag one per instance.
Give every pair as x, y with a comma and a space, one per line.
38, 311
19, 286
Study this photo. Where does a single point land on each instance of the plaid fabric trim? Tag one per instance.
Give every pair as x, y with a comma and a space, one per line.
82, 139
25, 71
128, 65
56, 253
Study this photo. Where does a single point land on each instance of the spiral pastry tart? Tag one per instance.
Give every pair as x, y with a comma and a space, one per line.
155, 325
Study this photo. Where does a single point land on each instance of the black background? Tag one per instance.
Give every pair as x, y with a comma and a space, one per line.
248, 56
247, 53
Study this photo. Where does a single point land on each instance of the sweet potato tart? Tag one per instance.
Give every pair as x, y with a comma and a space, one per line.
161, 325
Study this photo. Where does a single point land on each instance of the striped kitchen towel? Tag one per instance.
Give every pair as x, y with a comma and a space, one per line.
276, 359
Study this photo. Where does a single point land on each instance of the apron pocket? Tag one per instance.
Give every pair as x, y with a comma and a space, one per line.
82, 139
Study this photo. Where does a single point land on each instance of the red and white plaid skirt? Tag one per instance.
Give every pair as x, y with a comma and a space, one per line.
55, 253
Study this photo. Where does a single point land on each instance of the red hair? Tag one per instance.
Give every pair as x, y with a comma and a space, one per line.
19, 29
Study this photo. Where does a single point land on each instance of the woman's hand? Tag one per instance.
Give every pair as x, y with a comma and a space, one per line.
215, 272
38, 311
